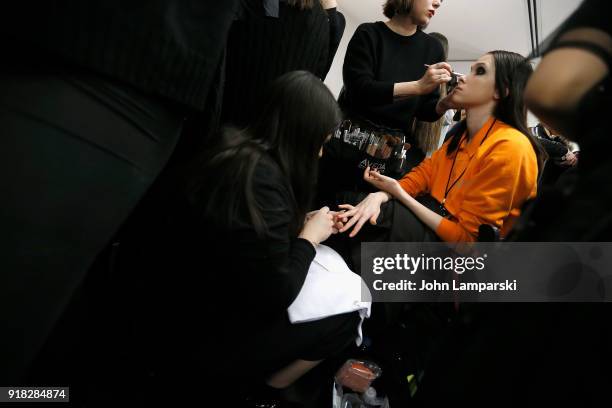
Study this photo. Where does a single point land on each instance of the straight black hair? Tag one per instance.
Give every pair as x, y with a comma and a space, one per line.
297, 115
512, 71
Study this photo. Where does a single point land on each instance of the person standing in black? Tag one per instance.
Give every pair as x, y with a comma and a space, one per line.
392, 73
273, 37
337, 24
94, 97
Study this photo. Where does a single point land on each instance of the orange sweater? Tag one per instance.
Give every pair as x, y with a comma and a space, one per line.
500, 175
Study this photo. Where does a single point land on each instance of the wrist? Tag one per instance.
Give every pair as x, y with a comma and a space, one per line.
418, 87
404, 89
308, 238
383, 196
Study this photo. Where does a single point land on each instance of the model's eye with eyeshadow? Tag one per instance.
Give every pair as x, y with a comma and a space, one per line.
480, 71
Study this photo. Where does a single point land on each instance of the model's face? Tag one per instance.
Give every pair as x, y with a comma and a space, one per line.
423, 11
478, 87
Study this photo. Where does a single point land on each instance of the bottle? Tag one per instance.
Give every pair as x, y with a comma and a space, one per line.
398, 156
352, 401
370, 398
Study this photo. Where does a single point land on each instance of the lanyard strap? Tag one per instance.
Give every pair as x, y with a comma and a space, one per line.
447, 189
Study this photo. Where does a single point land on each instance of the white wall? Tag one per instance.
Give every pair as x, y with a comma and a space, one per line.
473, 27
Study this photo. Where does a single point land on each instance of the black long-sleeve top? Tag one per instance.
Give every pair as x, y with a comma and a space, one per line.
262, 274
376, 59
555, 150
337, 24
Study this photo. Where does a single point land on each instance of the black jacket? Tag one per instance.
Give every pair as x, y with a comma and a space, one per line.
165, 47
260, 49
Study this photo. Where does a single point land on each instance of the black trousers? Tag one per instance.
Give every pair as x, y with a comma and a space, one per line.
266, 350
78, 153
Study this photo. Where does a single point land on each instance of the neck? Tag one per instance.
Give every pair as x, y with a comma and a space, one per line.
402, 25
477, 116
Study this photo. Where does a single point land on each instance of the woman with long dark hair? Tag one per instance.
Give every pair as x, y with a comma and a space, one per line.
245, 236
482, 175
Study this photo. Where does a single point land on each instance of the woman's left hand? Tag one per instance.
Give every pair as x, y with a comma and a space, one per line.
338, 218
383, 183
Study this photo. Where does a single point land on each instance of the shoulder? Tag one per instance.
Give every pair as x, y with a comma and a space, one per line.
314, 15
267, 172
370, 30
429, 40
369, 27
505, 132
366, 35
270, 186
509, 142
431, 43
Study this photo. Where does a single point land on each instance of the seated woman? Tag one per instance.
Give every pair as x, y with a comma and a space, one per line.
483, 174
245, 232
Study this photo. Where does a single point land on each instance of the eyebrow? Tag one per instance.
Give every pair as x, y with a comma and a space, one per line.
477, 65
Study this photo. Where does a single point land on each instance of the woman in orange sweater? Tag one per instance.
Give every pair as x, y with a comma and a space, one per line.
483, 174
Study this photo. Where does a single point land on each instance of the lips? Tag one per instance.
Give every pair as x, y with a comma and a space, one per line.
431, 13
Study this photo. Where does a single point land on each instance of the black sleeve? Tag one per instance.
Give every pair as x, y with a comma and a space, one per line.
337, 24
276, 263
427, 107
318, 40
555, 150
359, 68
426, 110
248, 9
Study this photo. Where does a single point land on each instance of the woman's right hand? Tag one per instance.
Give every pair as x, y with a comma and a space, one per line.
368, 209
435, 75
569, 160
319, 226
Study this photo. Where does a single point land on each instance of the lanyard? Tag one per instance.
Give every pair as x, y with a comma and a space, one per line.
448, 189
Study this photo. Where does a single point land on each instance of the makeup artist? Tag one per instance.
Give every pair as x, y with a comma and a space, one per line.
387, 85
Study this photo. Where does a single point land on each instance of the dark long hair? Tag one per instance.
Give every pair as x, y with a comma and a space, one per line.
512, 71
297, 115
